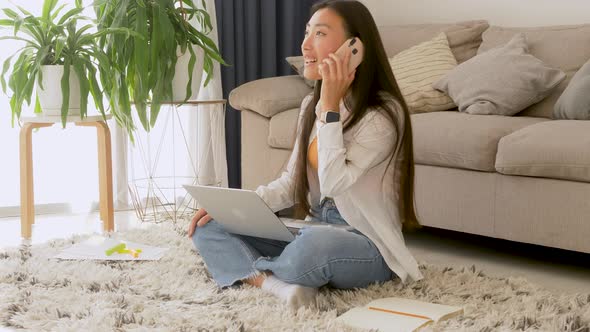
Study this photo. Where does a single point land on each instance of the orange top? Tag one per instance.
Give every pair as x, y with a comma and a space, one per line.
312, 153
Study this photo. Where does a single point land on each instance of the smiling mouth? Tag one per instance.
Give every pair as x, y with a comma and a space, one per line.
310, 62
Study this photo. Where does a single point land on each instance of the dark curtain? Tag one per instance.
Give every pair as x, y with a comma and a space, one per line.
255, 36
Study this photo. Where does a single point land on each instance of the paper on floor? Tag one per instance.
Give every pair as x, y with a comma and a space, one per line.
94, 249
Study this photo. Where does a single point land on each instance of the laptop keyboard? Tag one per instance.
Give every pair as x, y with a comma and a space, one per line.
294, 225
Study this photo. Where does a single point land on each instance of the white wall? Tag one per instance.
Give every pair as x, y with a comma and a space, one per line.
498, 12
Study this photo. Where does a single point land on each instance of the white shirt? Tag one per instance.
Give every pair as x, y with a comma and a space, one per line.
315, 195
354, 169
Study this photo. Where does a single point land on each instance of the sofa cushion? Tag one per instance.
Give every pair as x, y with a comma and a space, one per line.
282, 130
501, 81
556, 149
574, 102
464, 37
415, 70
563, 47
461, 140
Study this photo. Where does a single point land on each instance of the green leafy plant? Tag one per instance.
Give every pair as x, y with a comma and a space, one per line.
144, 65
54, 39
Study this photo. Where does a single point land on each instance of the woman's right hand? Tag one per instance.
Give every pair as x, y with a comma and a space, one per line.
201, 218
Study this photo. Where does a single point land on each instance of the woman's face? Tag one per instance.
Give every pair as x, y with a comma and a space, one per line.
324, 34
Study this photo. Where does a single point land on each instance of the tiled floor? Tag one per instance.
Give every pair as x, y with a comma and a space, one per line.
559, 270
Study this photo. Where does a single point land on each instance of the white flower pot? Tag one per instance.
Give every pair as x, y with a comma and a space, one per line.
180, 80
50, 96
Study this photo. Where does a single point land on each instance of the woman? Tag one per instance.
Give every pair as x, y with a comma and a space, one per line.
354, 168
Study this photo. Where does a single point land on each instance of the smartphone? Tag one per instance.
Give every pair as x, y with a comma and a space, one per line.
356, 49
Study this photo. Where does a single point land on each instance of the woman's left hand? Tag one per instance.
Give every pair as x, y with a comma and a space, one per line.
335, 81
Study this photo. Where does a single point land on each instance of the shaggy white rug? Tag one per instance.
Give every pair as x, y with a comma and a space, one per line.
175, 294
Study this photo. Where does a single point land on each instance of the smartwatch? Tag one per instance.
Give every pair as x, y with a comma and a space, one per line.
330, 116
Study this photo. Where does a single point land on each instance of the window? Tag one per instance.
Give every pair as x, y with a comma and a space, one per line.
64, 161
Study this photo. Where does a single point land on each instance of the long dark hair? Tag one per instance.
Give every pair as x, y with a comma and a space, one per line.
373, 87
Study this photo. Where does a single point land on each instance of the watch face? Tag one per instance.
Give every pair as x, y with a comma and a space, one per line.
332, 117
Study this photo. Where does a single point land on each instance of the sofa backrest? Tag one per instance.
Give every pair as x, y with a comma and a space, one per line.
464, 37
563, 47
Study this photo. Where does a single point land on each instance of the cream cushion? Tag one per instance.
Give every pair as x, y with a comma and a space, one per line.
556, 149
415, 70
461, 140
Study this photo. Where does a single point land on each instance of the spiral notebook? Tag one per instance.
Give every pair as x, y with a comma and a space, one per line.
395, 314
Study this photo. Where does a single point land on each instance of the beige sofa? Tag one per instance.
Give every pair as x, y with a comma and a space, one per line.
523, 178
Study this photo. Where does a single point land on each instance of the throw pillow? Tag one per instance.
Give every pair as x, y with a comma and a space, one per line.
415, 70
547, 43
574, 102
297, 63
501, 81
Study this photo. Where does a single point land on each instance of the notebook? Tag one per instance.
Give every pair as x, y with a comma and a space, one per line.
398, 315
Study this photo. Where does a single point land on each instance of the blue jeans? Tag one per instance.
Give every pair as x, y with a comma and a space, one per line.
318, 255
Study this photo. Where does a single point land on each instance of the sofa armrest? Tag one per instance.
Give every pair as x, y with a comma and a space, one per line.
269, 96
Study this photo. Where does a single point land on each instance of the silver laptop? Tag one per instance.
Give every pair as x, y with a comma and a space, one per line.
243, 212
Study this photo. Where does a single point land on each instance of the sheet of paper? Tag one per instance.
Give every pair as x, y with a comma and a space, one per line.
94, 249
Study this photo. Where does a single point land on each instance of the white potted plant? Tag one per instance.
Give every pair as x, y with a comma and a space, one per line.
59, 57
